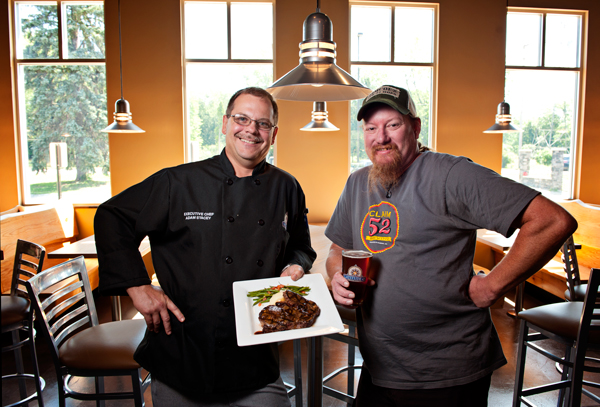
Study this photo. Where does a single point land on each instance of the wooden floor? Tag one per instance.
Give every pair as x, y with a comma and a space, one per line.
538, 370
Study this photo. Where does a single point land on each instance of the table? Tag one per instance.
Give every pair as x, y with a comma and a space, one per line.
87, 248
320, 244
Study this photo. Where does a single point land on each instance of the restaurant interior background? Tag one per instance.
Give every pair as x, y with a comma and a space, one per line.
469, 85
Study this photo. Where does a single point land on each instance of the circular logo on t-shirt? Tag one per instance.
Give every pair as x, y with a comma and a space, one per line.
379, 229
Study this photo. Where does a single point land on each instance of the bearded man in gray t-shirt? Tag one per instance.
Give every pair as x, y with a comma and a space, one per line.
425, 329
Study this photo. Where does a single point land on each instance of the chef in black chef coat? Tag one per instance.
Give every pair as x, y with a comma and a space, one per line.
228, 218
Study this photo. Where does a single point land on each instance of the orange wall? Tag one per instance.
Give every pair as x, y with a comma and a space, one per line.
152, 84
470, 86
9, 192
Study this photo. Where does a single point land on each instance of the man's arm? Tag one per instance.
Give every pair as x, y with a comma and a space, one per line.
119, 226
544, 227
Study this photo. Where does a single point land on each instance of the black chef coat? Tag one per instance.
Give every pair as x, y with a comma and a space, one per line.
207, 229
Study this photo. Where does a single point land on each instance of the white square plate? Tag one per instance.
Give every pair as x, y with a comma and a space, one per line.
246, 315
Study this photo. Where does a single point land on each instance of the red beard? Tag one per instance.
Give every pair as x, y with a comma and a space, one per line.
388, 173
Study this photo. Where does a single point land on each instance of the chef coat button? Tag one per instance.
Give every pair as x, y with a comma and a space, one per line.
229, 181
230, 219
226, 303
257, 181
228, 260
259, 263
261, 222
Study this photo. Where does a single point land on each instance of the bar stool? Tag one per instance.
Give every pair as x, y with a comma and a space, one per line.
17, 319
348, 316
574, 324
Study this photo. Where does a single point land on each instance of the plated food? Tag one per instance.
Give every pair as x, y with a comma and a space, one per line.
292, 312
247, 315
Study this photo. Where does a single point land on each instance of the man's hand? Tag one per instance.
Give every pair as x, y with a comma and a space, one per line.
339, 288
295, 271
339, 285
477, 294
154, 305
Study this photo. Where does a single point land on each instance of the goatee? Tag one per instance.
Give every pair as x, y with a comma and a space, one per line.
386, 174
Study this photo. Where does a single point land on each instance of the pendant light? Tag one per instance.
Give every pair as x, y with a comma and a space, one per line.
317, 77
503, 121
122, 115
319, 119
503, 118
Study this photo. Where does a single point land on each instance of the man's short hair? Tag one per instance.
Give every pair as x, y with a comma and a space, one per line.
258, 92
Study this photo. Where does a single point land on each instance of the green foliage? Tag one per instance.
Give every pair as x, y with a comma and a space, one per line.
543, 156
549, 131
66, 99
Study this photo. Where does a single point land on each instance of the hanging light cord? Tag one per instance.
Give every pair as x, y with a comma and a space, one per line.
318, 6
120, 51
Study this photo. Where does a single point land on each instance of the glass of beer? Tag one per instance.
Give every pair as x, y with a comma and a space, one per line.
355, 268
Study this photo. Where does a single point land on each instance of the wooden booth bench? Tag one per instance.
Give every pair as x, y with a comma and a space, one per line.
51, 226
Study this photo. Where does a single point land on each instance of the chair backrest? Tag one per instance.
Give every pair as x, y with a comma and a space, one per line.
571, 267
589, 325
29, 259
66, 306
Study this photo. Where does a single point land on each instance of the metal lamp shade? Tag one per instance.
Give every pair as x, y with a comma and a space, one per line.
317, 77
319, 119
122, 123
503, 121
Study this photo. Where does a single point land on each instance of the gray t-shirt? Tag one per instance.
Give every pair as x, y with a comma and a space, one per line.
418, 329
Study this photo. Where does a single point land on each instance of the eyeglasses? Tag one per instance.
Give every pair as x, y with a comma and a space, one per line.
244, 120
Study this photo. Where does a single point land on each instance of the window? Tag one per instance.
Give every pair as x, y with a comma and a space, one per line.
393, 44
61, 93
229, 51
543, 83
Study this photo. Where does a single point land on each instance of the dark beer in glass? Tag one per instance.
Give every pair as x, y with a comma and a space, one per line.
355, 268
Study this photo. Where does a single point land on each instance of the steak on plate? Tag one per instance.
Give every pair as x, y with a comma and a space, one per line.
293, 312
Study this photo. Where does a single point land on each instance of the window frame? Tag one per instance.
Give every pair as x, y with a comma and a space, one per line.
228, 60
579, 109
433, 65
19, 81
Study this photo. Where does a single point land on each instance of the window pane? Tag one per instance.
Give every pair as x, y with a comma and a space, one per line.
413, 35
65, 103
523, 39
36, 31
85, 31
418, 81
540, 155
370, 33
207, 101
250, 40
206, 30
562, 40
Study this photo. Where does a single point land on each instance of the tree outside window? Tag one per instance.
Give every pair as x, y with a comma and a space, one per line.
543, 81
220, 59
62, 98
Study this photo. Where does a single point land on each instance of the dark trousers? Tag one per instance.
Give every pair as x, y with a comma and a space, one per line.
473, 394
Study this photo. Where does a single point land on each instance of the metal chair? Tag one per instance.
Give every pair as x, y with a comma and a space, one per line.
17, 318
348, 316
575, 290
571, 323
80, 347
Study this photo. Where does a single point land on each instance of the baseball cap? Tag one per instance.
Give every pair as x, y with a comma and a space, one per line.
393, 96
